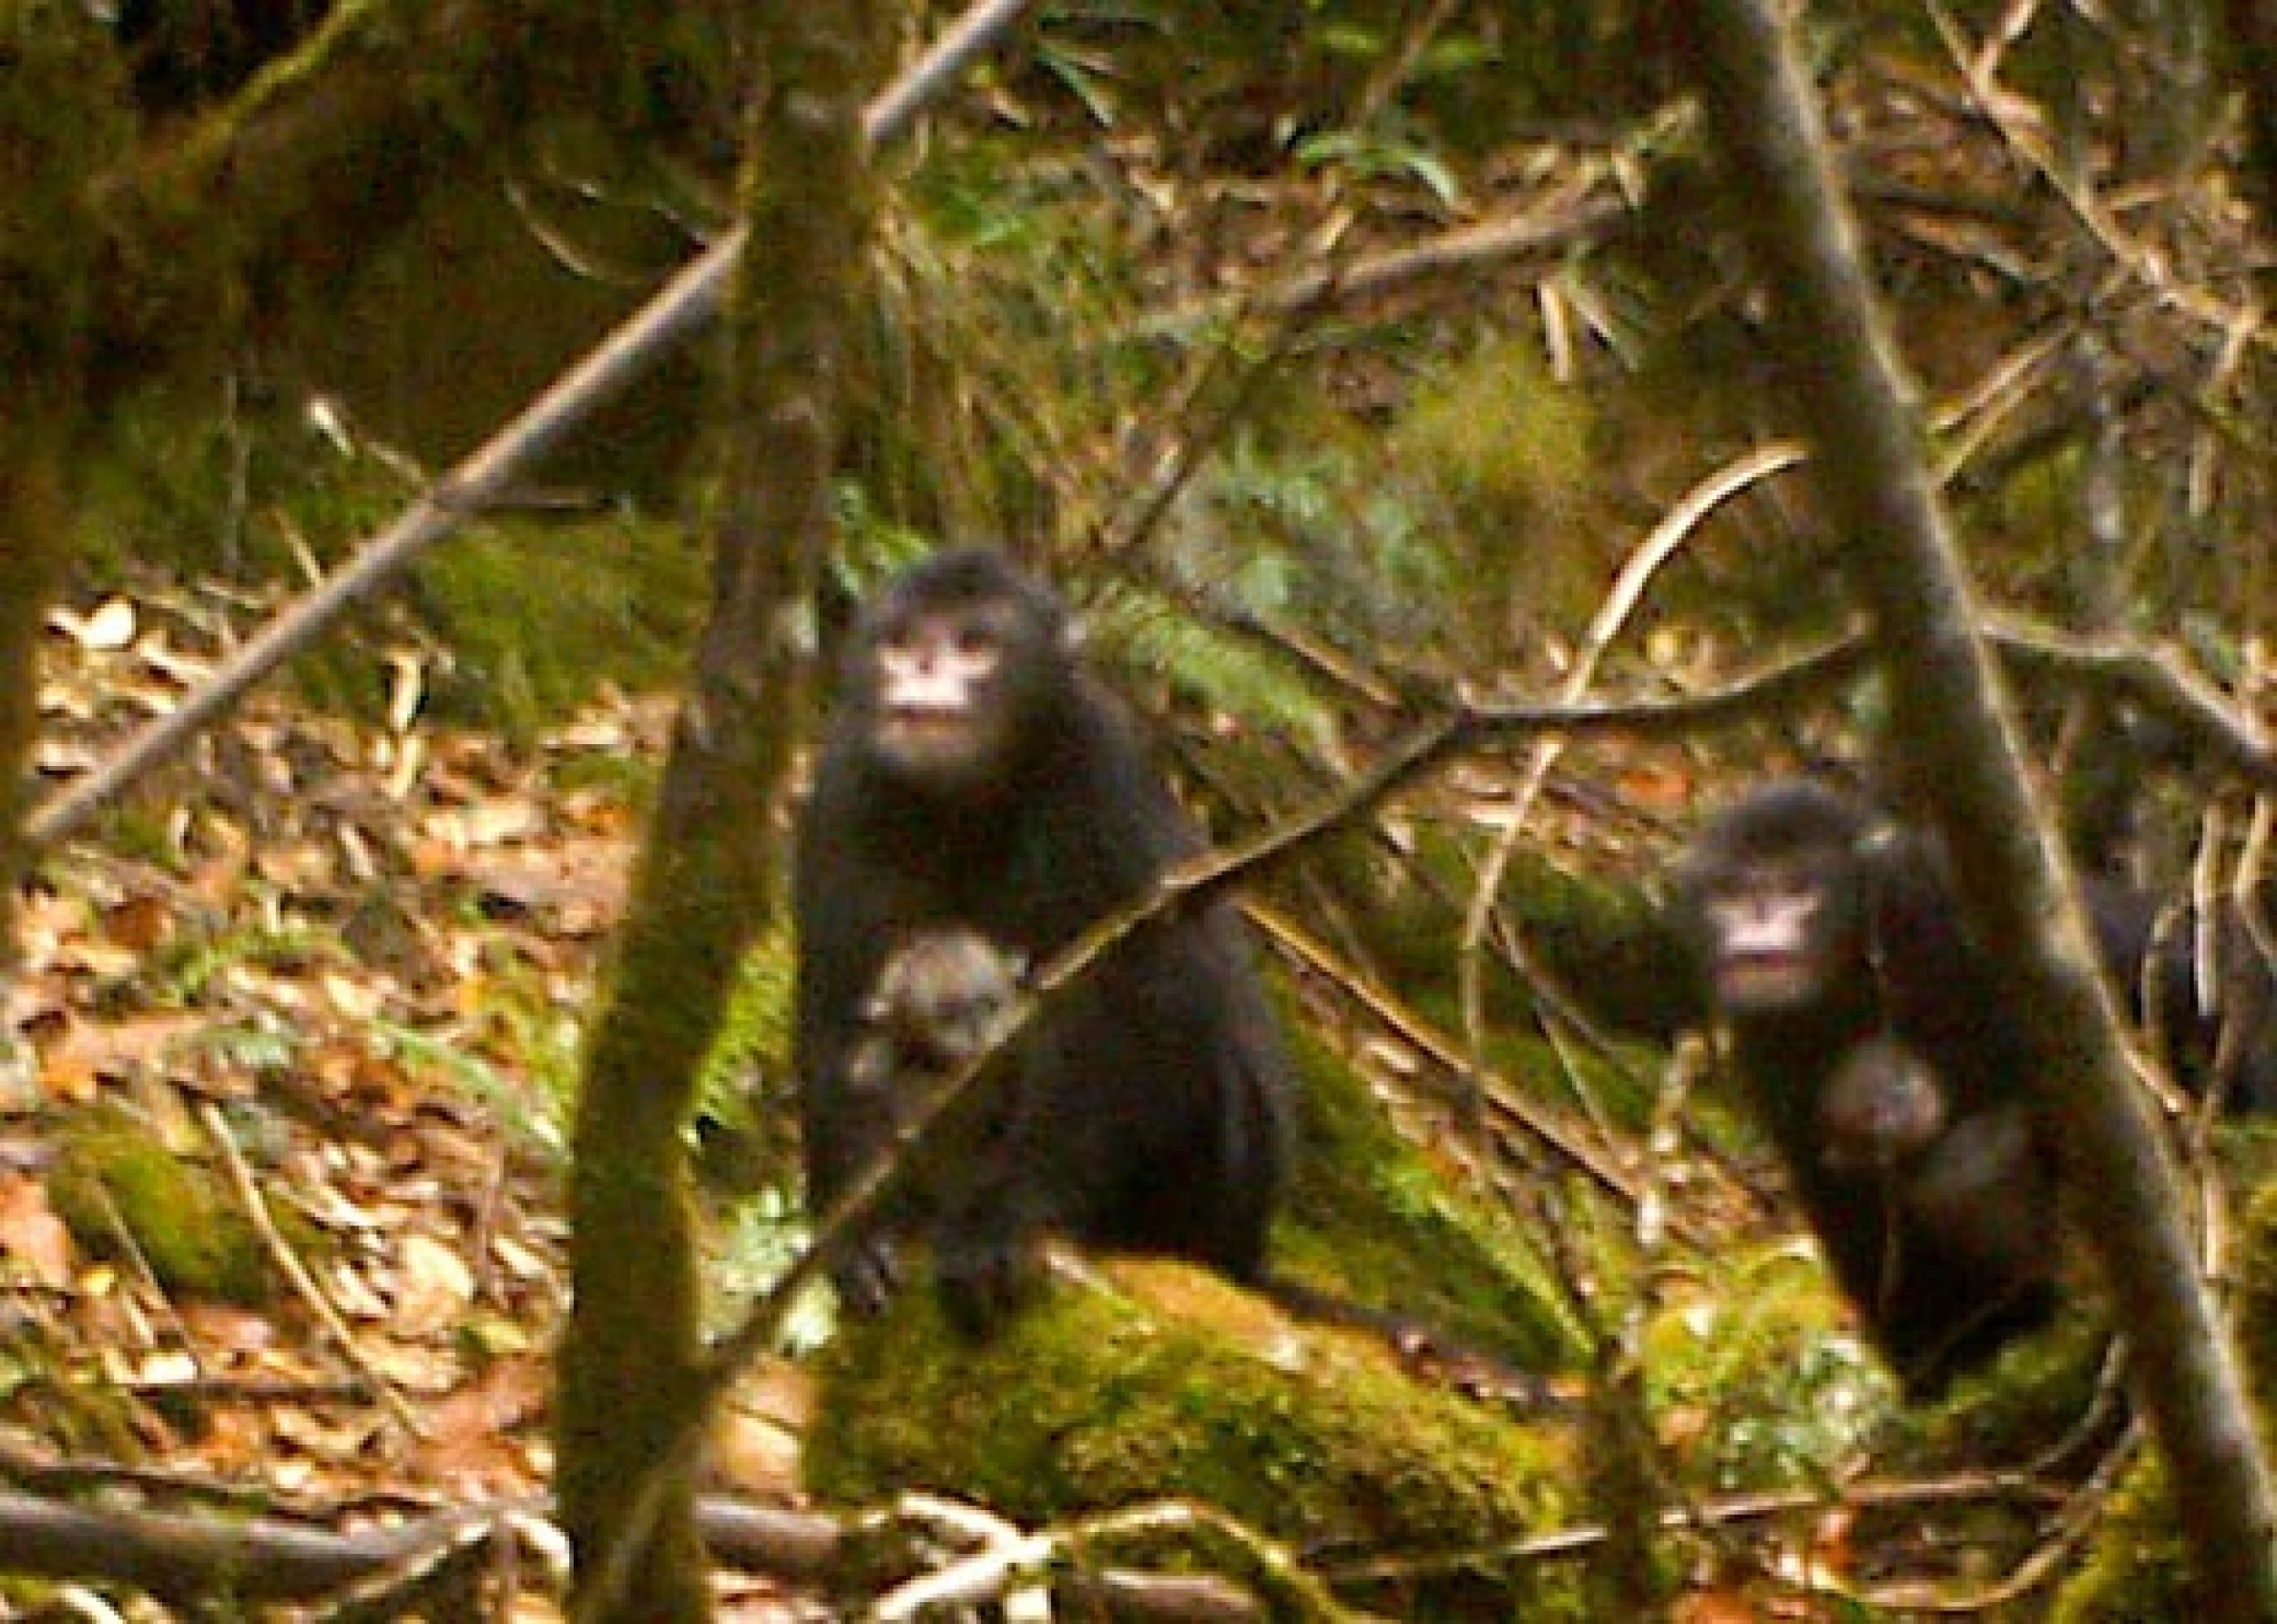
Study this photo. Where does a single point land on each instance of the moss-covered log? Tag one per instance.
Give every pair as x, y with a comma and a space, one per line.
1170, 1383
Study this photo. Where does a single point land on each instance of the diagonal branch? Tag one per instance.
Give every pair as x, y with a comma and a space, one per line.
684, 306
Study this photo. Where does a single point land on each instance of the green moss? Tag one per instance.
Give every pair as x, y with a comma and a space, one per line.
1497, 426
2139, 1568
746, 1111
1183, 1385
116, 1182
1177, 1384
1759, 1336
2254, 1147
525, 619
535, 615
1368, 1212
52, 1391
1517, 458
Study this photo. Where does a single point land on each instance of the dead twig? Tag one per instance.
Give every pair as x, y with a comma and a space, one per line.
295, 1271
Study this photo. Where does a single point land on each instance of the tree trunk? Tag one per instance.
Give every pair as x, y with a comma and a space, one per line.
631, 1362
34, 542
56, 125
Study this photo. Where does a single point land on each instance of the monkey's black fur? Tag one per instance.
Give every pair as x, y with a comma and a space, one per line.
1148, 1108
1944, 1236
2223, 1045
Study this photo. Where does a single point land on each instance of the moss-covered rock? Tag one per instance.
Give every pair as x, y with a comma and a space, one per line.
1177, 1384
1172, 1383
116, 1182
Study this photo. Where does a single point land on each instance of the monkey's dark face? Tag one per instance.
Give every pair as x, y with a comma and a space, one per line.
1773, 901
1770, 936
949, 687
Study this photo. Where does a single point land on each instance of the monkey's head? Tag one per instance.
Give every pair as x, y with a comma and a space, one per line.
956, 672
943, 996
1774, 899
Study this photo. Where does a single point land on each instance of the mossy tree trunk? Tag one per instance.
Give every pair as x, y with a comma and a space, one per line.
632, 1362
1956, 739
33, 537
56, 124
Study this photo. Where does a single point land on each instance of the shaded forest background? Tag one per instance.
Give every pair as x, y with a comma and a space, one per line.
1347, 364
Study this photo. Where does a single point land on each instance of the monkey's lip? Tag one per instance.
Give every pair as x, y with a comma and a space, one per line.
925, 716
924, 724
1764, 977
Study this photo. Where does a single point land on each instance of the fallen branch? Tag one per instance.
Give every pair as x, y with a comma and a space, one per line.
184, 1560
1969, 1488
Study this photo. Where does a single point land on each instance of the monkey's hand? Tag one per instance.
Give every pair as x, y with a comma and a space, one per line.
984, 1279
869, 1277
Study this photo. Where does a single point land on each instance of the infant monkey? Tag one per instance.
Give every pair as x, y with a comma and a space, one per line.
941, 998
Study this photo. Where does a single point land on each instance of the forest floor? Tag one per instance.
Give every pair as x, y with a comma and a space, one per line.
342, 967
352, 959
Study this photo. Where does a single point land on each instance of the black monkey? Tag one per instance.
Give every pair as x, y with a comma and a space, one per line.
975, 777
1889, 1075
2207, 990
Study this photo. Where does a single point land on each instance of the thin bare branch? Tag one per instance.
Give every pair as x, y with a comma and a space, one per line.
684, 306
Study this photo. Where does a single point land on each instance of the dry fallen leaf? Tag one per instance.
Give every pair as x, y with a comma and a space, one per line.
111, 627
32, 1238
469, 1438
139, 923
433, 1287
1714, 1607
87, 1050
